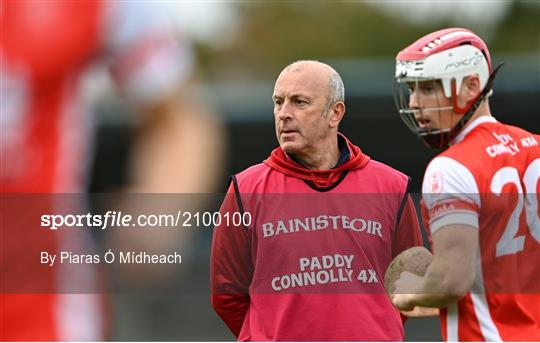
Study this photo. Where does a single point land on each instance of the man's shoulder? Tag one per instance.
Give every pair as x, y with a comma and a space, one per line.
385, 170
377, 177
253, 171
252, 174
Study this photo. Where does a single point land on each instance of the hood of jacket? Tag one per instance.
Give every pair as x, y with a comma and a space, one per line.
279, 161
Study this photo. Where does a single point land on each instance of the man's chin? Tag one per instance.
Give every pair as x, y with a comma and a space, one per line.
289, 147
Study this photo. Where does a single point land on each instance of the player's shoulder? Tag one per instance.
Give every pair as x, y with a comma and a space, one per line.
517, 131
445, 174
473, 149
495, 132
494, 143
446, 165
525, 140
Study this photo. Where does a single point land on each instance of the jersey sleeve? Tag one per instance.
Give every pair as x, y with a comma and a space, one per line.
408, 229
450, 194
231, 267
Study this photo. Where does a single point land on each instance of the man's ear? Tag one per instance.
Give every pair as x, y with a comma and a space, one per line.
336, 113
471, 87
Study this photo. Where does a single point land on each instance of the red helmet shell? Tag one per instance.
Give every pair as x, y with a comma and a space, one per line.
441, 40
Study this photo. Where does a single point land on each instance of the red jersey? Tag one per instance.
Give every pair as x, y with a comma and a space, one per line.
45, 139
488, 179
310, 265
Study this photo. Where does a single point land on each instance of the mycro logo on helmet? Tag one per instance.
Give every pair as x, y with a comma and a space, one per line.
464, 63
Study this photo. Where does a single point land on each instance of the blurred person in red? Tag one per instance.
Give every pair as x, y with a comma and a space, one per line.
46, 134
326, 222
480, 195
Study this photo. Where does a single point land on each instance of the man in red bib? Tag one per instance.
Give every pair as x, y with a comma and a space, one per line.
480, 196
323, 221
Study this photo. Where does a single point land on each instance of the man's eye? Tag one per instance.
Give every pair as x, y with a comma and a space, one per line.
427, 88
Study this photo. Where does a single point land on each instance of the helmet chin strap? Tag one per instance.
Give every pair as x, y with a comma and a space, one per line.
441, 139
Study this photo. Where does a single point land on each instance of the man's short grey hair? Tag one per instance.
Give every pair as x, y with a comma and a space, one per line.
336, 91
336, 88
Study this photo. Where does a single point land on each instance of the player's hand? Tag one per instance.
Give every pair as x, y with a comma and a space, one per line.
402, 302
404, 291
421, 312
403, 280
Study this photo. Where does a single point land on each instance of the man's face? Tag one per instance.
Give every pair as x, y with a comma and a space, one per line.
436, 109
300, 100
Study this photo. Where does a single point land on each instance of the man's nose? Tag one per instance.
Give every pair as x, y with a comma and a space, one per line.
285, 111
413, 100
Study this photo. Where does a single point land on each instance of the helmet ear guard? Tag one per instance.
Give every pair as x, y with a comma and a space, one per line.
485, 93
455, 105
